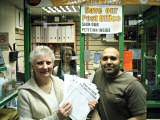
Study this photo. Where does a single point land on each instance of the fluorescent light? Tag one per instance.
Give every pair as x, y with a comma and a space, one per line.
46, 10
62, 9
69, 10
74, 9
57, 9
51, 9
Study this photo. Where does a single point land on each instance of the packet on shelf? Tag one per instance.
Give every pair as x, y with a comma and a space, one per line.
2, 81
8, 87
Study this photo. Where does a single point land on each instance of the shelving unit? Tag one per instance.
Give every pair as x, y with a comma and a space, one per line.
5, 99
151, 60
133, 34
8, 98
54, 35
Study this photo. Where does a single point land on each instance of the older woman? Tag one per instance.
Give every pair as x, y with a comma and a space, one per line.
39, 97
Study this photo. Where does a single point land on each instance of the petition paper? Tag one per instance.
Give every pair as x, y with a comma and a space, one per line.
79, 91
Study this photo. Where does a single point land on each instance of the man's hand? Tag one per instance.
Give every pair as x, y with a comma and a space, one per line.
92, 104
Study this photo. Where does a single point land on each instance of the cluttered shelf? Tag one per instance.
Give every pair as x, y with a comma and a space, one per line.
153, 104
52, 42
8, 98
8, 89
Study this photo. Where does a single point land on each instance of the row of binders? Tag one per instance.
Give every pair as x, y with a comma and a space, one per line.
53, 34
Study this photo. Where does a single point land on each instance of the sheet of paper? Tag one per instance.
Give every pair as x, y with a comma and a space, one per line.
79, 91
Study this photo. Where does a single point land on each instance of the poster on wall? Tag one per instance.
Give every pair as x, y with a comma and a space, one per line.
101, 19
4, 42
128, 61
97, 57
137, 53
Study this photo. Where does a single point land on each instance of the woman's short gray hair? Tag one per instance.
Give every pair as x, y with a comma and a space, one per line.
39, 51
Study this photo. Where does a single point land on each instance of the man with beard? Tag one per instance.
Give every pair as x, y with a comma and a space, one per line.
122, 96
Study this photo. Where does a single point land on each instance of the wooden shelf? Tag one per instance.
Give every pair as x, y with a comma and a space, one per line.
126, 41
130, 41
131, 26
50, 24
53, 42
63, 34
153, 104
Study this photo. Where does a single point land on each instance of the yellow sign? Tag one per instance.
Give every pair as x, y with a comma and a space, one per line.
101, 19
128, 60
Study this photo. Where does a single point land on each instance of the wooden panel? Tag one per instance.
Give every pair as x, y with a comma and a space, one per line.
20, 42
90, 67
21, 64
95, 48
99, 43
77, 38
19, 36
96, 43
20, 53
91, 52
19, 31
20, 48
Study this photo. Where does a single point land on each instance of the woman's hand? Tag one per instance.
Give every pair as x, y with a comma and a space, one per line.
92, 104
64, 111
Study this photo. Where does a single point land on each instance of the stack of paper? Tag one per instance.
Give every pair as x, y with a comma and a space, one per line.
79, 91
